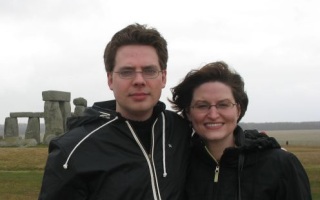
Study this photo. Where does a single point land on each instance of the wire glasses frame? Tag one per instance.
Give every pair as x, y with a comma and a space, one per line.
131, 73
221, 107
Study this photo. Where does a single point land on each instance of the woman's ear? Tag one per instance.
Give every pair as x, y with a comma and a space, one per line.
239, 110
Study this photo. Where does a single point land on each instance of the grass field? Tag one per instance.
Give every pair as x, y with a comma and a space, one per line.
297, 137
21, 170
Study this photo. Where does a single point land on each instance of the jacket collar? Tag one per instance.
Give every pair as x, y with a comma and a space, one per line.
104, 110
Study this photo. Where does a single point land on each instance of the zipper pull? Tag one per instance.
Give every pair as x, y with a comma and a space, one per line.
216, 174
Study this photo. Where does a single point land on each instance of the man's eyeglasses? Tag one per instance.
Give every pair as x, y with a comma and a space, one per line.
147, 73
205, 107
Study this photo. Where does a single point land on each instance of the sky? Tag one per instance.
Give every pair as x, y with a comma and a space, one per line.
59, 45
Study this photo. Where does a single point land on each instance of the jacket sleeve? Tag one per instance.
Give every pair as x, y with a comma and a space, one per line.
60, 183
295, 183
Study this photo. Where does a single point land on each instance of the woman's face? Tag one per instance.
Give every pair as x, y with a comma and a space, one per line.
214, 123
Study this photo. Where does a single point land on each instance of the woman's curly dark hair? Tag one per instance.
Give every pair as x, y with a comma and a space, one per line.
217, 71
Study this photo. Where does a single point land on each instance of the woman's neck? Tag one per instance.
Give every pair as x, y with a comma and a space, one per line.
216, 148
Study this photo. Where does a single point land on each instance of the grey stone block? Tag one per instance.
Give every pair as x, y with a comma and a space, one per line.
52, 95
48, 138
30, 142
54, 121
80, 102
27, 114
33, 129
11, 128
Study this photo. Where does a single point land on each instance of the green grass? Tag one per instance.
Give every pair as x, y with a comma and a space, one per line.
20, 185
314, 177
310, 159
21, 170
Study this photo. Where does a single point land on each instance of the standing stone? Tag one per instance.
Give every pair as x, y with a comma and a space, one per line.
80, 105
33, 129
56, 111
65, 108
53, 119
11, 128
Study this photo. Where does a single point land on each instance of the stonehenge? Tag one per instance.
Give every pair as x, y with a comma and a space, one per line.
80, 104
57, 109
33, 128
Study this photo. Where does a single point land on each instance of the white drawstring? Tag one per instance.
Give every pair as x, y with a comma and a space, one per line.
164, 146
65, 166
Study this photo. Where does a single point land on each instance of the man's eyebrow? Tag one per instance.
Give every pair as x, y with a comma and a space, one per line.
224, 101
149, 66
126, 68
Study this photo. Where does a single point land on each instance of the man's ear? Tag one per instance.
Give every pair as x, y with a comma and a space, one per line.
164, 78
110, 80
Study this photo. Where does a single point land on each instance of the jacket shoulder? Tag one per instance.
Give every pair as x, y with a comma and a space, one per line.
177, 123
255, 140
176, 120
173, 115
69, 138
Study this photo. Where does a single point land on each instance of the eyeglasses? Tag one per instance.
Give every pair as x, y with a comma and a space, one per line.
205, 107
147, 73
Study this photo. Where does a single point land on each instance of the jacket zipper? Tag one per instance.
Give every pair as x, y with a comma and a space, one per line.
217, 170
150, 162
216, 174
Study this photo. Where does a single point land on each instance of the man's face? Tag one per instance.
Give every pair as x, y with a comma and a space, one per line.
136, 96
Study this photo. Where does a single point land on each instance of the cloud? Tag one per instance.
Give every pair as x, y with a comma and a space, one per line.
58, 45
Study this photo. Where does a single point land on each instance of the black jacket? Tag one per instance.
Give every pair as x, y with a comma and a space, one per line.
258, 169
101, 157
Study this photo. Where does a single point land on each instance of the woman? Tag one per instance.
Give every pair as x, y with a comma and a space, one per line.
227, 162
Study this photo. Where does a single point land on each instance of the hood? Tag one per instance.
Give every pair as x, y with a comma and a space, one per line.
104, 110
253, 140
246, 141
99, 110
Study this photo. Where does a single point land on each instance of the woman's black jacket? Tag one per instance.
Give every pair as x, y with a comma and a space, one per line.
257, 169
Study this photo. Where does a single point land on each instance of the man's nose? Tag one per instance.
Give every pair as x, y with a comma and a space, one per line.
138, 77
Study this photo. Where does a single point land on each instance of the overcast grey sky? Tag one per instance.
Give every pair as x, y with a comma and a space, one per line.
59, 44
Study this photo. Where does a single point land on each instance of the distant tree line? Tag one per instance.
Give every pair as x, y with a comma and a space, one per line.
271, 126
267, 126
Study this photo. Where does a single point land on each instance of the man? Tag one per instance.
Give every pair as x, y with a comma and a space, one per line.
130, 147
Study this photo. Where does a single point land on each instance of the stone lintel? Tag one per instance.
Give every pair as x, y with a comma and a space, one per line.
27, 114
53, 95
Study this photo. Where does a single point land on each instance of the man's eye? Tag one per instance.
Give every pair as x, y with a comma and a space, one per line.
126, 72
149, 71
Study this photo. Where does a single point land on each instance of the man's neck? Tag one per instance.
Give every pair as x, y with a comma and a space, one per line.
136, 116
